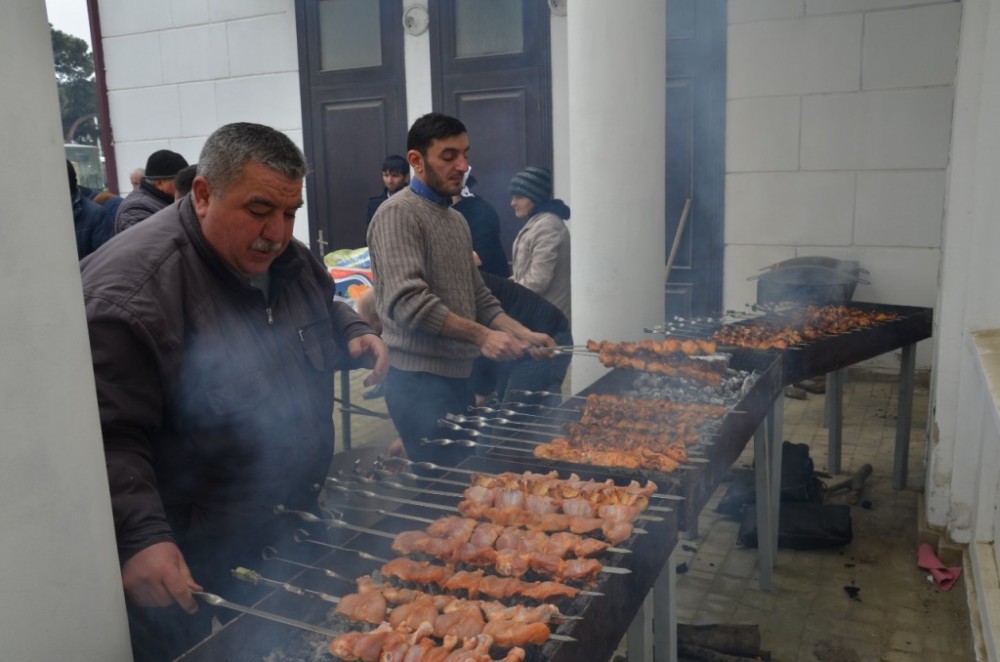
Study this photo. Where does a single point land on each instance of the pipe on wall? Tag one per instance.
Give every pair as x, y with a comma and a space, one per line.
103, 113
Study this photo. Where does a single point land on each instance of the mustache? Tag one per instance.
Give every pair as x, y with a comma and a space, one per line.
261, 244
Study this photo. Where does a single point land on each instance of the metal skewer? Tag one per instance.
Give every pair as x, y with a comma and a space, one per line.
544, 394
506, 412
271, 554
497, 422
387, 513
386, 477
437, 467
455, 427
365, 555
338, 523
253, 577
309, 517
469, 443
217, 601
457, 495
368, 494
301, 535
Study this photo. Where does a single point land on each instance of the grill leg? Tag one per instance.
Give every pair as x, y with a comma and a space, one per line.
904, 416
345, 410
665, 612
835, 417
640, 633
767, 477
775, 437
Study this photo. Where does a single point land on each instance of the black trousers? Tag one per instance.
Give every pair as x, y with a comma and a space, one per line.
416, 400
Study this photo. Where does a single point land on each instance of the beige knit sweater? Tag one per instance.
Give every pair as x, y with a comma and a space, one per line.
422, 266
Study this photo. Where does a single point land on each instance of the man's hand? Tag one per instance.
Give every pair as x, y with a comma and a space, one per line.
376, 353
538, 344
501, 346
158, 577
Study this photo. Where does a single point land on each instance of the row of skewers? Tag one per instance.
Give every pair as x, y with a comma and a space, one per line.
446, 597
610, 431
681, 358
782, 326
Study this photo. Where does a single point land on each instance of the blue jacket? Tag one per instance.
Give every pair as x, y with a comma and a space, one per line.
92, 224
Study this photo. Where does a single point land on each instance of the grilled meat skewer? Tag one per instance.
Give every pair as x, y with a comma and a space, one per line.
477, 582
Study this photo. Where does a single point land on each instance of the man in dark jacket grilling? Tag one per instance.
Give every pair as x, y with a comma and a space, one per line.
214, 337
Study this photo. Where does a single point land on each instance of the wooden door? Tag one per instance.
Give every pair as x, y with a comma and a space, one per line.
695, 159
353, 110
491, 68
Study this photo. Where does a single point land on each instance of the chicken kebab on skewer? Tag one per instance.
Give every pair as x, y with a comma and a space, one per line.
509, 561
386, 643
475, 583
672, 357
633, 433
449, 614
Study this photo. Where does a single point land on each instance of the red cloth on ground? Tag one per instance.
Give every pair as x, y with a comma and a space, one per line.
943, 575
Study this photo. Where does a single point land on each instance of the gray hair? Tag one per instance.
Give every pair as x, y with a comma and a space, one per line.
233, 146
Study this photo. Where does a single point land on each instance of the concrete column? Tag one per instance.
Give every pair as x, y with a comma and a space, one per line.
617, 75
59, 572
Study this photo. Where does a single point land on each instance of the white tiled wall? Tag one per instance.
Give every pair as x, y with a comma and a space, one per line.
841, 6
146, 113
197, 52
796, 56
905, 128
763, 134
263, 44
838, 133
912, 48
746, 11
179, 69
896, 208
790, 208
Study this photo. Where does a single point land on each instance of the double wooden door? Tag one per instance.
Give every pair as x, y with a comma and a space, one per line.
353, 91
490, 64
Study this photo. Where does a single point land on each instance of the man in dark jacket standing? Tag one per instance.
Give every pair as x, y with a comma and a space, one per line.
156, 190
214, 337
484, 225
395, 176
90, 220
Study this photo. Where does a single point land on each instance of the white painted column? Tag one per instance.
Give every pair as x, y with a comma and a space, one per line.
58, 565
617, 74
969, 271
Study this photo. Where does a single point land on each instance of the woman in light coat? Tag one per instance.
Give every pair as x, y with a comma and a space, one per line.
541, 248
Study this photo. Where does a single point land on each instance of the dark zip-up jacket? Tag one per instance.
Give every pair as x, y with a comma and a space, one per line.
215, 403
139, 205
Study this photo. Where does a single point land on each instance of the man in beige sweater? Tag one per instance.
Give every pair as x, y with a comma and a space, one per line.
436, 313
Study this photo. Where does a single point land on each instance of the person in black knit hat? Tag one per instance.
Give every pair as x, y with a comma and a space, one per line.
541, 248
155, 192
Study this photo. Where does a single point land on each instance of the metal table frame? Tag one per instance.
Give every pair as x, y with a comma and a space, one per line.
904, 416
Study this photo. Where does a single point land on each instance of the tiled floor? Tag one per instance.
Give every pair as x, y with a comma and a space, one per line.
897, 616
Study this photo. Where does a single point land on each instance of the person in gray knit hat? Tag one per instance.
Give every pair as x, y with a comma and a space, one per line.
541, 259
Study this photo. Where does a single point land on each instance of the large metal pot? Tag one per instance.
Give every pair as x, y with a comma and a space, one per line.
806, 283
